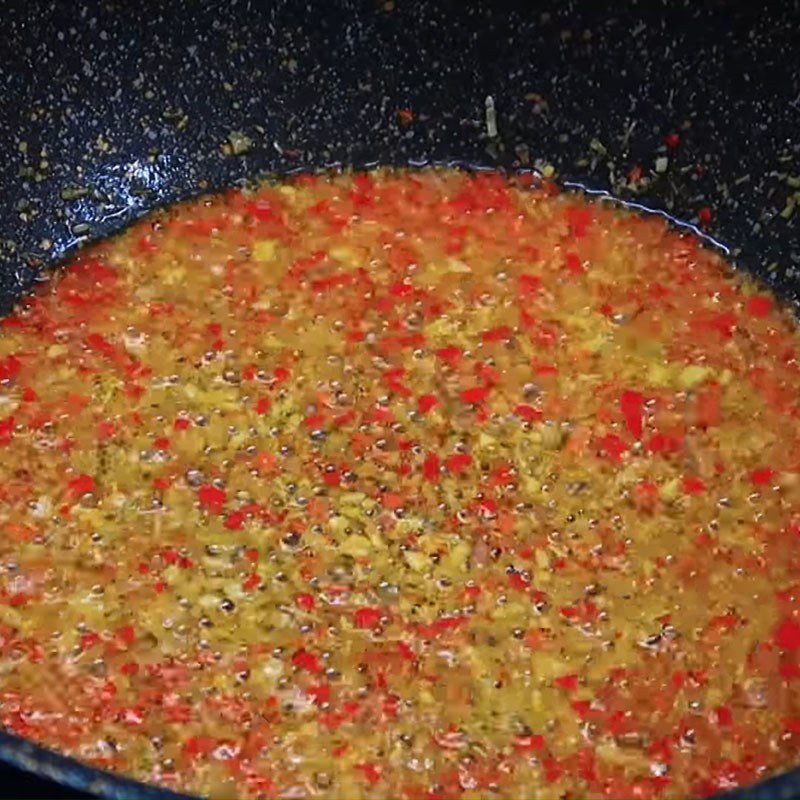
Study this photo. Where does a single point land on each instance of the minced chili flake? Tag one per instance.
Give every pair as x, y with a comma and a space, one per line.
302, 659
762, 476
693, 485
759, 306
80, 485
632, 407
426, 402
787, 635
211, 498
367, 617
527, 412
476, 394
458, 462
403, 484
305, 601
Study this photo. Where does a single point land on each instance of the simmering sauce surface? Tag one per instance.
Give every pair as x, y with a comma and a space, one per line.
407, 484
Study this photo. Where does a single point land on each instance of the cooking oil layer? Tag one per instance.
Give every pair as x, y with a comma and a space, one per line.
403, 484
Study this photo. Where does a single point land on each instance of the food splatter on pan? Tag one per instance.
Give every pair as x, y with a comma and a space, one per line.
403, 484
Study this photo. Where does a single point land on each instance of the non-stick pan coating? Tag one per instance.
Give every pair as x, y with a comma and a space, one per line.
108, 109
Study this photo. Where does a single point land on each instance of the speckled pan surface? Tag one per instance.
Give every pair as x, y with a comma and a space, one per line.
108, 109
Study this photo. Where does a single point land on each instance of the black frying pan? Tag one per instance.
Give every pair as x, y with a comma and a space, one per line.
108, 109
